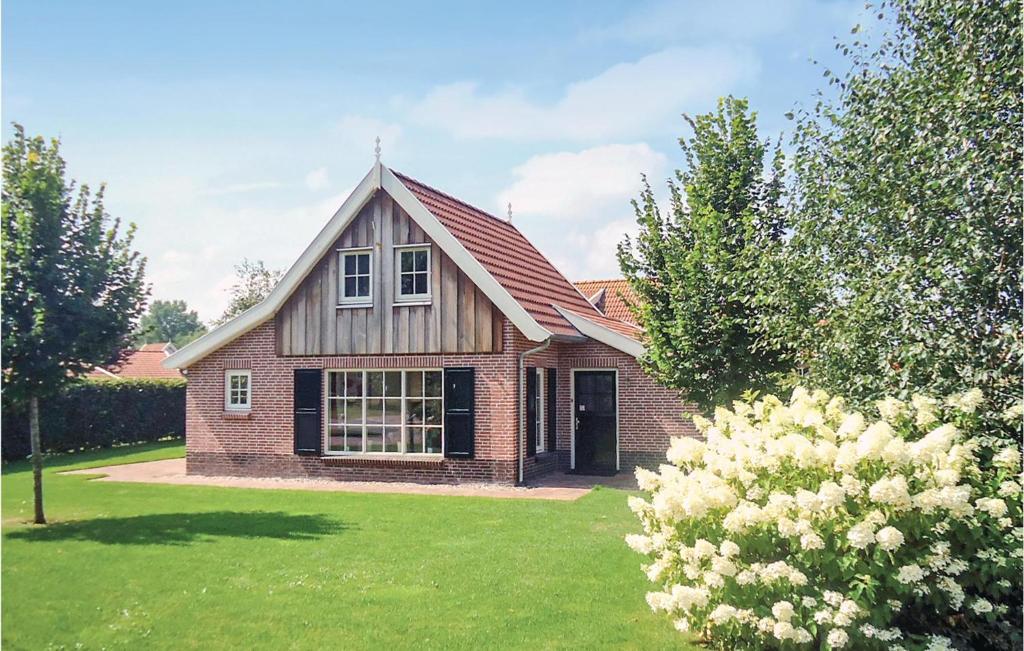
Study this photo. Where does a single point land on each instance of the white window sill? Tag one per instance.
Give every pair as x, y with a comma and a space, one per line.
393, 456
413, 302
352, 306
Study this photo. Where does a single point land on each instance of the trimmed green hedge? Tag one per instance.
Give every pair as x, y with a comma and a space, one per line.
99, 414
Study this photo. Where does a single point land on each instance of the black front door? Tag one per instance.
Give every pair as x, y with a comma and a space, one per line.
594, 411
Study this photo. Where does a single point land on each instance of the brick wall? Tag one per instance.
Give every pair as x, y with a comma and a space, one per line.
260, 442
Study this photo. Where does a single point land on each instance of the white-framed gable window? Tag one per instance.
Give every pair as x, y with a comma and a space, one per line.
355, 276
412, 272
238, 390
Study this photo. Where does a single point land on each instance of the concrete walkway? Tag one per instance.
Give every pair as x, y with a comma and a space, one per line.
556, 486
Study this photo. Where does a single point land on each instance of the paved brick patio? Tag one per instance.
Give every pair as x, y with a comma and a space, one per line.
554, 486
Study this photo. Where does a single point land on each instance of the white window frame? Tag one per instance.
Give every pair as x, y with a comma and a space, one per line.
413, 248
540, 410
239, 406
404, 397
354, 301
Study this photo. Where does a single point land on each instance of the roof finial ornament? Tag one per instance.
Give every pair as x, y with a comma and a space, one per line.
376, 150
510, 212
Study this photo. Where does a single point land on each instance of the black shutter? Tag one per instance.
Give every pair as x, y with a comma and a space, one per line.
531, 411
459, 408
552, 408
308, 401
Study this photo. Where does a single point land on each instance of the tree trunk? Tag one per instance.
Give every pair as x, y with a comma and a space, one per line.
37, 457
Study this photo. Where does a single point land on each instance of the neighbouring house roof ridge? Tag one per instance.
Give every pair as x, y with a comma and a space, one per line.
614, 301
142, 362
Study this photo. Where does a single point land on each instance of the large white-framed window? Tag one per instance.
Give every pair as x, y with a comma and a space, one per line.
355, 276
385, 412
540, 409
412, 272
238, 390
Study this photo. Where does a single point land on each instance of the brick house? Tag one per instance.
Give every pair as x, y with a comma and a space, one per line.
418, 338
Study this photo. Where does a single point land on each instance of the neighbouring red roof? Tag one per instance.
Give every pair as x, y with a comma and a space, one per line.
514, 262
613, 303
143, 363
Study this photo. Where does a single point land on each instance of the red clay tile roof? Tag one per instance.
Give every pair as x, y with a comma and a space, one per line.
516, 264
621, 327
616, 293
140, 364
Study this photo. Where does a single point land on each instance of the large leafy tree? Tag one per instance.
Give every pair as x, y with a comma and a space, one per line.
169, 321
254, 283
696, 271
72, 284
904, 270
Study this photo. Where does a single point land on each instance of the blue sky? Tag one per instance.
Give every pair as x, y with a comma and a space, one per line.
229, 130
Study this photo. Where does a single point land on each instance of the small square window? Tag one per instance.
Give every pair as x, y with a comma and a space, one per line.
413, 277
237, 390
355, 281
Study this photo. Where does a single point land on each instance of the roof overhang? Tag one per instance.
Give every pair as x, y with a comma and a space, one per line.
379, 177
602, 334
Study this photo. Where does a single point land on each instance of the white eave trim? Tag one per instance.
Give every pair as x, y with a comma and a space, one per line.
602, 334
482, 278
261, 312
378, 177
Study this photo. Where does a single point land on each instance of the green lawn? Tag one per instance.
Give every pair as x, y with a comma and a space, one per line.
144, 566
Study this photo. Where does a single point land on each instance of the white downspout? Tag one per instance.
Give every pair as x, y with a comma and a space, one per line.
522, 401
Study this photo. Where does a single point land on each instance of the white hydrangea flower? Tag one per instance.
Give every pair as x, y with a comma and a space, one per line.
890, 408
993, 506
981, 606
861, 535
837, 638
638, 543
967, 402
811, 542
728, 549
889, 538
783, 631
783, 611
910, 574
1008, 458
892, 491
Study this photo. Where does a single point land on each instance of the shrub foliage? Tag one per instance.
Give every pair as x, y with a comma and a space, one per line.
804, 525
97, 414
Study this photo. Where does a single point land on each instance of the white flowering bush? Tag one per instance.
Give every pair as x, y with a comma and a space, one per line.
804, 525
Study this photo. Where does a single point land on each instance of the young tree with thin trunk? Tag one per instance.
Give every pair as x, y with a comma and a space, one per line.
697, 271
72, 284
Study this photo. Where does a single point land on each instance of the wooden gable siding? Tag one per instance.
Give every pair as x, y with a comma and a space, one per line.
459, 318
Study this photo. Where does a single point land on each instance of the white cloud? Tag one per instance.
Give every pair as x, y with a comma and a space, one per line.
626, 99
359, 133
585, 184
317, 179
575, 206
